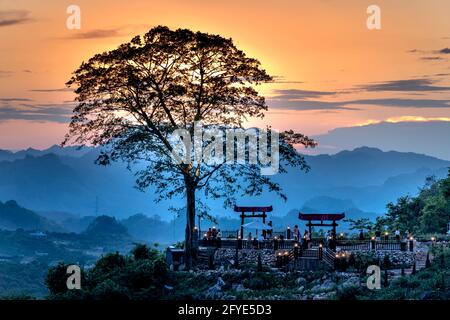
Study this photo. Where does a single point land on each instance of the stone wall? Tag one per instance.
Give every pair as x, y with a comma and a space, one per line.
226, 256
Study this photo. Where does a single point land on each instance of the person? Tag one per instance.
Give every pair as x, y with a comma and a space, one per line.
397, 235
269, 231
296, 233
249, 238
209, 234
361, 234
305, 239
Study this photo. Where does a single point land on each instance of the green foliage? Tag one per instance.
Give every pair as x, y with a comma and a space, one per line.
429, 212
360, 224
387, 262
56, 279
115, 277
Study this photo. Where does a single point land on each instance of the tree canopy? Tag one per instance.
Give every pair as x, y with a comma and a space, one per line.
132, 99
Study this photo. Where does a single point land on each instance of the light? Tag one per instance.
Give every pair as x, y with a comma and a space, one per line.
275, 238
205, 235
386, 233
373, 238
341, 234
296, 245
286, 253
288, 227
337, 256
411, 238
279, 253
433, 239
320, 245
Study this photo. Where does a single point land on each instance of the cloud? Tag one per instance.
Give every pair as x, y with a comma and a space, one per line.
445, 51
14, 100
5, 73
13, 17
292, 94
432, 58
303, 105
96, 34
36, 112
281, 79
53, 90
405, 85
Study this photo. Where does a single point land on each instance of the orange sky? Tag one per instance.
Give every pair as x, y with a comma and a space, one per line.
320, 47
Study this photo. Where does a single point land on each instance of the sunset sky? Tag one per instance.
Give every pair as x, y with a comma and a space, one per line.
331, 70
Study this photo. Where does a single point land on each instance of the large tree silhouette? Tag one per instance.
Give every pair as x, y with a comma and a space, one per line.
131, 99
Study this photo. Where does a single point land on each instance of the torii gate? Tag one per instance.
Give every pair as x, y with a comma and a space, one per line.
321, 217
254, 214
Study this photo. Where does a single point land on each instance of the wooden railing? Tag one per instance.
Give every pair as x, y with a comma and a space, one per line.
344, 245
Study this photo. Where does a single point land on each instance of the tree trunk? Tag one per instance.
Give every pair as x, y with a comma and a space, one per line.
190, 224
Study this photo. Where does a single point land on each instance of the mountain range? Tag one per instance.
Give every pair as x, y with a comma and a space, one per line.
427, 137
65, 181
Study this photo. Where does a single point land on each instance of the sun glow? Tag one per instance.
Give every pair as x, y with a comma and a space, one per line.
402, 119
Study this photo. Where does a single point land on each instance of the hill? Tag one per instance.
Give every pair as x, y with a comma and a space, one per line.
13, 216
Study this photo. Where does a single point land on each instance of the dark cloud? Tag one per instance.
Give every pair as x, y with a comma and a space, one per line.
96, 34
292, 94
36, 112
405, 85
53, 90
13, 17
302, 105
14, 100
430, 58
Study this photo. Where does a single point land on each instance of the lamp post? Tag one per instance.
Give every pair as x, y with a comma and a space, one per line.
372, 243
411, 244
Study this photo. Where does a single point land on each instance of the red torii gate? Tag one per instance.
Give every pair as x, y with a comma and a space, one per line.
254, 214
321, 217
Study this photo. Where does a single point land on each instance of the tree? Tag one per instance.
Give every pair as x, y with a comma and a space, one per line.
360, 224
133, 99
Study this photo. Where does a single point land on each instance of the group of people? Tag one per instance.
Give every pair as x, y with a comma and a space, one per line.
213, 234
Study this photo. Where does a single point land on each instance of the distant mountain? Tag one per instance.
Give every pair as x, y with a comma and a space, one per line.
105, 226
73, 185
13, 216
73, 151
429, 138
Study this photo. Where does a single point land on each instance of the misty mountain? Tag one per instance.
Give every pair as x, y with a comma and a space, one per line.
429, 137
13, 216
72, 151
363, 180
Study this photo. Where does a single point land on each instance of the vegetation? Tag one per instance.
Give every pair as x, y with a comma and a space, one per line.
429, 212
